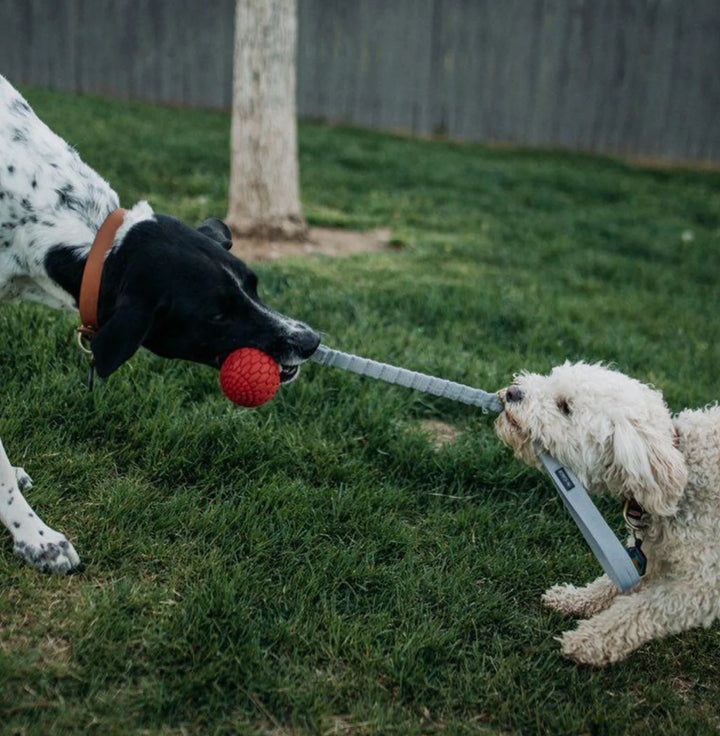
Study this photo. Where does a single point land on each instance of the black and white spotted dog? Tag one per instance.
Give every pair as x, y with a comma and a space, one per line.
170, 288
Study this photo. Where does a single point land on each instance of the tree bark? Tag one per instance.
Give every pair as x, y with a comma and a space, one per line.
264, 179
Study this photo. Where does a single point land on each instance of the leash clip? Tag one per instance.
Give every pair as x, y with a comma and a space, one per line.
85, 336
638, 557
633, 514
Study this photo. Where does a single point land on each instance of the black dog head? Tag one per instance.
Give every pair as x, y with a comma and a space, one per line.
179, 292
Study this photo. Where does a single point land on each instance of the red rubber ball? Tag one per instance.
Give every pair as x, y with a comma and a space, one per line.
249, 377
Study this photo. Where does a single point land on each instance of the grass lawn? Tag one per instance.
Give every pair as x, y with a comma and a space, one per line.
316, 566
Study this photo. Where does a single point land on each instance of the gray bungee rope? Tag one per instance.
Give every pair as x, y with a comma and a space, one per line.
610, 553
408, 379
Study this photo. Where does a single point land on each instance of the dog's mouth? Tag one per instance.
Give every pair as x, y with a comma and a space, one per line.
288, 373
511, 420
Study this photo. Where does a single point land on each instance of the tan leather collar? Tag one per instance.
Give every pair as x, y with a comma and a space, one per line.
92, 275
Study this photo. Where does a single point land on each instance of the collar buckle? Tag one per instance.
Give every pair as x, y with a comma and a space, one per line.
634, 514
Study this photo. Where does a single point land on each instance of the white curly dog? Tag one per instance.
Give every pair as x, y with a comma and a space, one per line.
618, 435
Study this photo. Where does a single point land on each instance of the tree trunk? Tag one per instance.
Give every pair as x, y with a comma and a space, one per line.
264, 179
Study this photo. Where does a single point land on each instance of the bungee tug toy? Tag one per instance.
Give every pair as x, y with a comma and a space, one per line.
249, 377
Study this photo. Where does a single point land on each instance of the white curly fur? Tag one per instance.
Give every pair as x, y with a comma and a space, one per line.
618, 435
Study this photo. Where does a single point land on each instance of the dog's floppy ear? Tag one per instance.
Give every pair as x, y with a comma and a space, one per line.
646, 465
121, 336
218, 231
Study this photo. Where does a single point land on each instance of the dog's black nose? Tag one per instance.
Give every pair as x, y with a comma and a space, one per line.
514, 394
306, 343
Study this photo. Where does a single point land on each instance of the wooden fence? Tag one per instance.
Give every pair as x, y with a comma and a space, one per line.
636, 77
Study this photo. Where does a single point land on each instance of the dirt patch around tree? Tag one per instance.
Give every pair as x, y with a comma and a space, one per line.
320, 241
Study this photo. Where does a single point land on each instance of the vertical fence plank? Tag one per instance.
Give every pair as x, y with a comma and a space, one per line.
638, 77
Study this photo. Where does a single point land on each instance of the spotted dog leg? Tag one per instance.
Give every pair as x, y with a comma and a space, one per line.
37, 544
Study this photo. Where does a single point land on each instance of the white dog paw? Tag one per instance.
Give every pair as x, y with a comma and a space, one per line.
585, 648
51, 552
24, 481
564, 598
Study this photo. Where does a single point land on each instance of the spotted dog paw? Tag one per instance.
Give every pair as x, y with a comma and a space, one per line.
24, 481
48, 551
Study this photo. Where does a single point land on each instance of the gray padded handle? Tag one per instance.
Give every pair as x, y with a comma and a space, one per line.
610, 553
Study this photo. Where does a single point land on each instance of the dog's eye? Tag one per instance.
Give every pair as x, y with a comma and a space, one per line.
564, 406
219, 317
